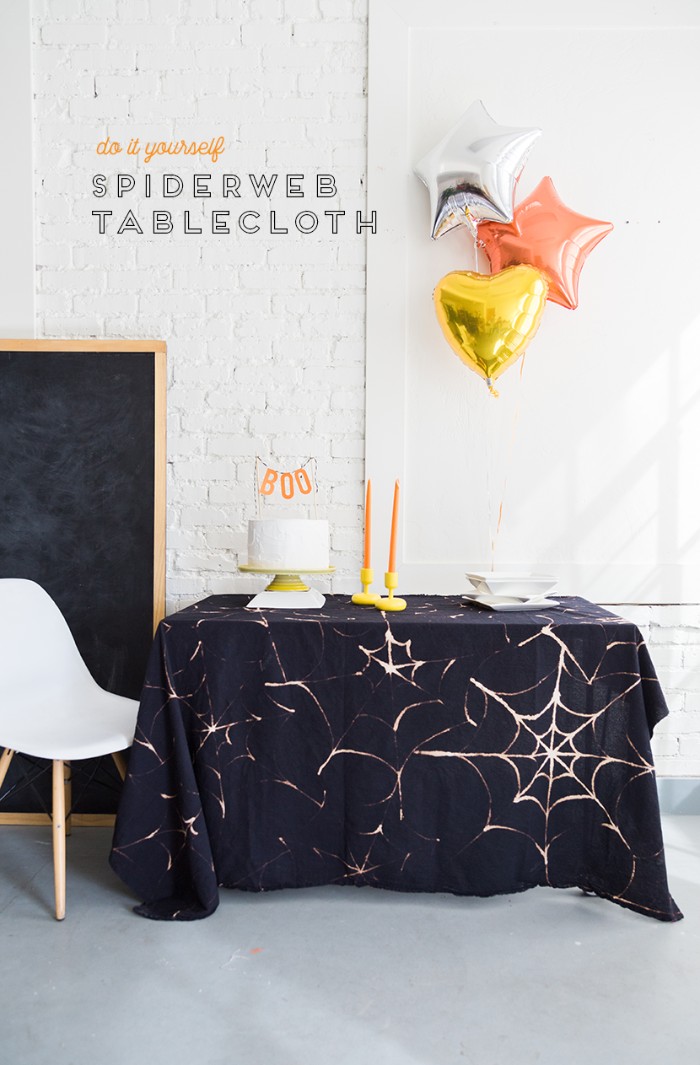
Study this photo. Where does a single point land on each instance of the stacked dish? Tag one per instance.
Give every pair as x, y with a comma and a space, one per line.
510, 591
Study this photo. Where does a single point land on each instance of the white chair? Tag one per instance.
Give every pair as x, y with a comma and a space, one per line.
50, 706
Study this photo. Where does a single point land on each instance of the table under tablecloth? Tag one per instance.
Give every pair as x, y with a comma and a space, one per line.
442, 749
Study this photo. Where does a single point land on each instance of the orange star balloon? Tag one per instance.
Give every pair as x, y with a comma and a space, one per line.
548, 235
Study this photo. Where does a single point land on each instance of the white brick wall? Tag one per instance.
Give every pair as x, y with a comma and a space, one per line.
672, 634
265, 334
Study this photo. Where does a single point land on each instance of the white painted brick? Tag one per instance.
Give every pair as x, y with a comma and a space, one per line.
673, 616
73, 280
272, 279
68, 33
63, 9
185, 586
668, 657
230, 302
199, 9
239, 489
349, 153
181, 83
665, 745
227, 539
228, 57
341, 472
57, 209
301, 9
683, 723
678, 635
64, 83
676, 767
296, 107
295, 447
348, 447
638, 614
347, 541
135, 280
689, 746
54, 303
299, 57
103, 106
330, 31
156, 33
675, 700
678, 679
336, 8
339, 421
266, 32
222, 585
192, 493
125, 84
53, 255
94, 60
262, 131
344, 108
347, 493
335, 377
72, 326
265, 9
164, 58
208, 33
149, 110
264, 424
105, 304
354, 351
346, 400
336, 81
691, 702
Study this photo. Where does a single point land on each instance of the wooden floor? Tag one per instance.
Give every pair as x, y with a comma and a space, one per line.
341, 976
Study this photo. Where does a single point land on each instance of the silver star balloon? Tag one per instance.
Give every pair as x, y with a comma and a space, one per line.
471, 173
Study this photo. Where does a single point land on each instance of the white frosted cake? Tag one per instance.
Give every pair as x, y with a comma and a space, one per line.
288, 544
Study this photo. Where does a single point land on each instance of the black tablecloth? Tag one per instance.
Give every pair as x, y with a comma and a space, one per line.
445, 748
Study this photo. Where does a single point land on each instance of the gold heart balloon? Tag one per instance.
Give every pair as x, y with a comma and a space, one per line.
489, 320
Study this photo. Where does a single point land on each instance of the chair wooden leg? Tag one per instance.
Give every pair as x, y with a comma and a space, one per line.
59, 838
120, 763
68, 795
5, 759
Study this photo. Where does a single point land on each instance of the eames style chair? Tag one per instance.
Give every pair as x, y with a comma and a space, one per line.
50, 706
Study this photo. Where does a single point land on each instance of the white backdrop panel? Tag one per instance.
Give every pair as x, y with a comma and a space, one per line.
593, 451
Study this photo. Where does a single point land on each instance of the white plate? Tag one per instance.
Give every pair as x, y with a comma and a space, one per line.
503, 602
519, 585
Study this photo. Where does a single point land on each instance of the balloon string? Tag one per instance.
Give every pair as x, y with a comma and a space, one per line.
509, 456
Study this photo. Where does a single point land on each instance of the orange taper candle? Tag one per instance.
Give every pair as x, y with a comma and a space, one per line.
394, 530
368, 526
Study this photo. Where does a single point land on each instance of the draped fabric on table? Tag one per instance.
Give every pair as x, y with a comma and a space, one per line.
442, 749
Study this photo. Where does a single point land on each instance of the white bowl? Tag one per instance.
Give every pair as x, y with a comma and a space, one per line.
528, 585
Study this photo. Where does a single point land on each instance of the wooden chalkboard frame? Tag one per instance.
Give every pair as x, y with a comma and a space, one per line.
156, 349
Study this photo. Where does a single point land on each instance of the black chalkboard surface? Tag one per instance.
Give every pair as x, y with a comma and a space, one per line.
82, 469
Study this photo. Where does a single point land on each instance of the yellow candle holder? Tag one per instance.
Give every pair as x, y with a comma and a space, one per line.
391, 601
365, 597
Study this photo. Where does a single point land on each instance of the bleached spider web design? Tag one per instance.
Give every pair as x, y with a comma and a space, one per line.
433, 748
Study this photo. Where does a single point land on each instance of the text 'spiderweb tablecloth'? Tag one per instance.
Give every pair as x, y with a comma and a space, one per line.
441, 749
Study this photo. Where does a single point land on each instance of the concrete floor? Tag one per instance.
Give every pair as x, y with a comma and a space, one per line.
334, 976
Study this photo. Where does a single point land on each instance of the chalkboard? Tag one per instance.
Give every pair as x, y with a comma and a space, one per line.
82, 491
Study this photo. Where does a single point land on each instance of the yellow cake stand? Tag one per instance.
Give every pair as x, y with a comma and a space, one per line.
287, 590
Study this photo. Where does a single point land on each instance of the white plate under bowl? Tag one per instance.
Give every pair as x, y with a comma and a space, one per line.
504, 602
526, 585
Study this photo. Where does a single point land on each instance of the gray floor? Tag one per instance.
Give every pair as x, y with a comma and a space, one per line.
335, 975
